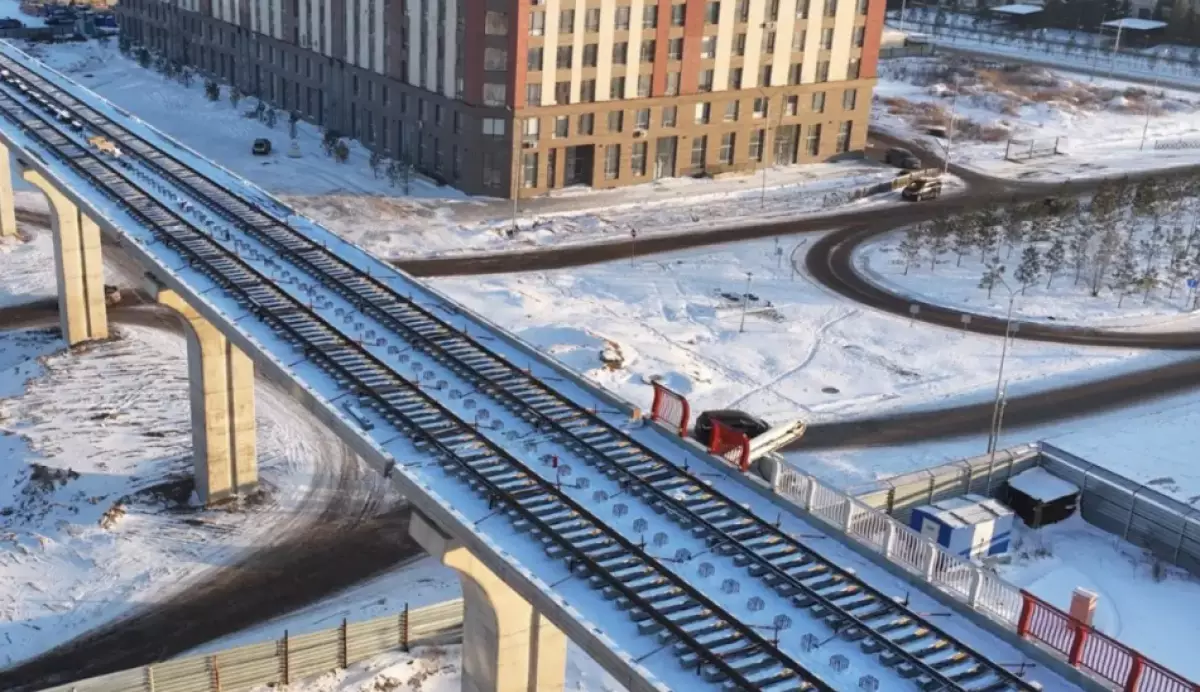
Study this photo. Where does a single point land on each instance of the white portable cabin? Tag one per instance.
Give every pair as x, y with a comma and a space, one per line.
969, 526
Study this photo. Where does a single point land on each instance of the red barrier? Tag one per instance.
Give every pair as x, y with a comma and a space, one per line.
731, 444
671, 408
1086, 648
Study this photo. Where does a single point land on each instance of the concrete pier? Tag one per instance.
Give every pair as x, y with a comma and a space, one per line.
8, 209
221, 380
507, 645
78, 262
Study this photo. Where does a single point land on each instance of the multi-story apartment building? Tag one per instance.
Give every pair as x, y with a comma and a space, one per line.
505, 96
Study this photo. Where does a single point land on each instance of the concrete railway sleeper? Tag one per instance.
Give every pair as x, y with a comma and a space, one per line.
845, 603
663, 605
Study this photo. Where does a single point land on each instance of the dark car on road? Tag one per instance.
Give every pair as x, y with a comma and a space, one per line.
902, 158
262, 147
921, 189
738, 420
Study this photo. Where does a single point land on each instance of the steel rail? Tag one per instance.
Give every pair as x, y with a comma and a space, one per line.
722, 537
407, 425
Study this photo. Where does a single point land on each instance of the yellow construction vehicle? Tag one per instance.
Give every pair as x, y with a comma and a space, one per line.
103, 144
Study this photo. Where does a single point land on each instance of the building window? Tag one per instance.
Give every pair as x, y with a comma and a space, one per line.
529, 170
537, 23
616, 88
743, 11
769, 42
566, 22
813, 145
675, 49
798, 40
849, 99
495, 24
739, 44
616, 121
860, 36
823, 71
802, 9
706, 81
650, 16
678, 14
648, 51
794, 73
612, 161
587, 91
761, 105
791, 105
712, 13
495, 94
621, 20
818, 102
587, 122
731, 111
862, 6
642, 119
773, 11
699, 150
562, 93
644, 83
531, 129
735, 78
831, 8
590, 54
764, 75
620, 53
592, 20
669, 115
562, 127
491, 171
637, 160
843, 138
533, 94
727, 142
708, 47
757, 139
563, 59
852, 71
533, 62
457, 122
826, 39
672, 84
703, 112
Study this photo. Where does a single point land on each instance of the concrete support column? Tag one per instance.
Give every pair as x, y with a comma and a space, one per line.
507, 645
8, 209
78, 263
221, 380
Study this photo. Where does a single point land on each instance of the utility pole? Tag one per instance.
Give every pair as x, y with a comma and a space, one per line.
1012, 299
1146, 127
745, 302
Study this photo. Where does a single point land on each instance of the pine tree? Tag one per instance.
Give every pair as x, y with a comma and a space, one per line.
375, 161
937, 236
1110, 243
986, 232
1124, 271
1029, 269
1079, 244
341, 151
1055, 257
910, 246
270, 118
1013, 230
964, 239
993, 273
1150, 247
235, 95
1148, 281
212, 90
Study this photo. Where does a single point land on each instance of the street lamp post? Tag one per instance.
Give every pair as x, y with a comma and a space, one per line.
1146, 127
745, 302
1008, 330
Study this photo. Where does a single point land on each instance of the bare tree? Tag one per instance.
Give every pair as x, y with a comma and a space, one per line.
992, 273
1055, 257
1124, 272
910, 247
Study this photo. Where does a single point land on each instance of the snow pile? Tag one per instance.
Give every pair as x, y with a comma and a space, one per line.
425, 669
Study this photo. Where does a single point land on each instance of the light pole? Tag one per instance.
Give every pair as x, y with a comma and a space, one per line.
745, 302
1146, 128
903, 10
762, 199
950, 130
632, 245
1112, 66
519, 139
993, 433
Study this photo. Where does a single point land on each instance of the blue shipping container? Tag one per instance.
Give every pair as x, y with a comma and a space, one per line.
969, 526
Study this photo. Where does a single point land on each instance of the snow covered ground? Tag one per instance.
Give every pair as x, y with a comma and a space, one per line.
350, 200
1100, 121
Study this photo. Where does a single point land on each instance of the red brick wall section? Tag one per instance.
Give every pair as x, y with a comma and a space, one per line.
870, 51
658, 84
693, 32
472, 51
518, 30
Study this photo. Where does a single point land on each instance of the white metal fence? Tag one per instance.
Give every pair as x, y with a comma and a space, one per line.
286, 660
951, 574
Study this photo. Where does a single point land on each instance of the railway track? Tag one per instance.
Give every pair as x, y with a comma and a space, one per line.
659, 598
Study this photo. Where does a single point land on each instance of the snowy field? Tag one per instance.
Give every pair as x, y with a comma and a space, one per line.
1100, 121
349, 199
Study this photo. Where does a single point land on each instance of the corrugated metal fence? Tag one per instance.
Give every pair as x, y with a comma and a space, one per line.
1167, 528
288, 659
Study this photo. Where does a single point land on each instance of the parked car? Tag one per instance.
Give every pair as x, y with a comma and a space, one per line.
922, 189
738, 420
262, 147
902, 158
